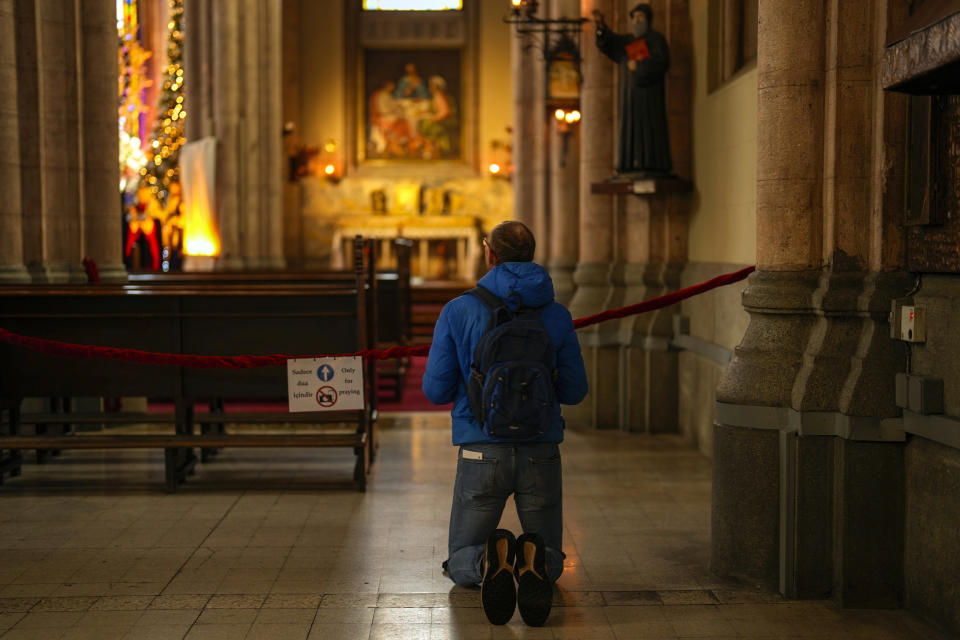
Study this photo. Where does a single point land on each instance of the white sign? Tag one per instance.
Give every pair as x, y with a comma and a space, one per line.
325, 384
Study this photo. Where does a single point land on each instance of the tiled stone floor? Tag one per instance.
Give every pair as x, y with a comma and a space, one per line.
91, 547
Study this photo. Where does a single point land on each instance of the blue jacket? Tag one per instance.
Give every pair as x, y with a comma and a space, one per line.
463, 322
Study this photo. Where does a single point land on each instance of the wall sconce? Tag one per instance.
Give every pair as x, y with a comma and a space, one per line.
565, 121
329, 163
550, 35
501, 158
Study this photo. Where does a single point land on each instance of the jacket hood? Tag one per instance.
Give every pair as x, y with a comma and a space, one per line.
528, 280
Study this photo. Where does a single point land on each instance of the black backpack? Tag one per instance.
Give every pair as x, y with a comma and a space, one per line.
514, 370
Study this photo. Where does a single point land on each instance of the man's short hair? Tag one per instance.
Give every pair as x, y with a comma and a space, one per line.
512, 241
646, 9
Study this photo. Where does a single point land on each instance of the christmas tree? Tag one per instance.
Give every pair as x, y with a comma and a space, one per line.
163, 151
133, 80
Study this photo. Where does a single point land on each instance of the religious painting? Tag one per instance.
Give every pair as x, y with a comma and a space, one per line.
411, 105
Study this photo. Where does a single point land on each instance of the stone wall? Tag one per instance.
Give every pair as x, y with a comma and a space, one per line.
932, 536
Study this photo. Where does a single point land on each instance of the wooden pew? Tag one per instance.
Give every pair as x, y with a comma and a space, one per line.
219, 319
389, 299
392, 287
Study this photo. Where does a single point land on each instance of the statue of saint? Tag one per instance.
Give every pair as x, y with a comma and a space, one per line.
643, 58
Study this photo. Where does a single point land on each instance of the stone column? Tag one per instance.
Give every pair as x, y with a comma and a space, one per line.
745, 528
270, 135
850, 363
28, 106
522, 63
11, 206
806, 403
563, 223
541, 152
654, 246
58, 147
250, 187
198, 69
292, 217
592, 275
226, 100
100, 205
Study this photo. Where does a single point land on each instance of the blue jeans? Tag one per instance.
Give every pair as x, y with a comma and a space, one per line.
531, 472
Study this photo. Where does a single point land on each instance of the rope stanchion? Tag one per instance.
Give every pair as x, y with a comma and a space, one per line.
665, 300
66, 349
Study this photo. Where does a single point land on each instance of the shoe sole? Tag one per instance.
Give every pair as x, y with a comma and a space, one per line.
534, 592
534, 599
498, 593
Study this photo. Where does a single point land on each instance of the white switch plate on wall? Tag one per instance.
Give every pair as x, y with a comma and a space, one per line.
913, 323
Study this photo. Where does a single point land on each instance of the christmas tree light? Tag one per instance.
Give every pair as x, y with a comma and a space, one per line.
162, 167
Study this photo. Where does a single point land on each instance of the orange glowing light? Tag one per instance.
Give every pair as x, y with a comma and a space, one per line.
329, 169
494, 168
200, 234
559, 114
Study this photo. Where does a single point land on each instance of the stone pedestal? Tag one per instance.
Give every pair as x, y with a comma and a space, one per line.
600, 348
561, 272
648, 364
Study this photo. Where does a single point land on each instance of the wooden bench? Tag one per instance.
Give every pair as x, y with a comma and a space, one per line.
388, 304
215, 319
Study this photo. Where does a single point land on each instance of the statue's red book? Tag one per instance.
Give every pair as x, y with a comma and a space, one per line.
637, 50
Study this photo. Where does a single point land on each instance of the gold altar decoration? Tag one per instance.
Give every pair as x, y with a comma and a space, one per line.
462, 230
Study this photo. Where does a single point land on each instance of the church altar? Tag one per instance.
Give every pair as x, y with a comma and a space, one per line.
422, 230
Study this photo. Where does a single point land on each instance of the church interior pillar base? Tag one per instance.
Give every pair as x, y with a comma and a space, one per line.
604, 393
768, 359
648, 400
58, 273
14, 274
594, 293
112, 273
581, 415
561, 272
868, 498
599, 409
744, 518
806, 516
932, 522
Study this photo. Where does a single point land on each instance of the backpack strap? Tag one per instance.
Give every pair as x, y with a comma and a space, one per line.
489, 300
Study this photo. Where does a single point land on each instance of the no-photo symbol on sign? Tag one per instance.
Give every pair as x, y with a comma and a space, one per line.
326, 396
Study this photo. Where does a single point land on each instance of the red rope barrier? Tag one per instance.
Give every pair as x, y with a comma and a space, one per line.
56, 348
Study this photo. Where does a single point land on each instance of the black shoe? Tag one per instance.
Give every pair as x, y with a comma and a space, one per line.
534, 589
497, 591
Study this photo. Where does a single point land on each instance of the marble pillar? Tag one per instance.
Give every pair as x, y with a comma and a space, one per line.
271, 136
100, 146
745, 530
596, 239
654, 246
226, 127
564, 185
11, 206
522, 62
806, 418
541, 151
28, 116
250, 187
59, 220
